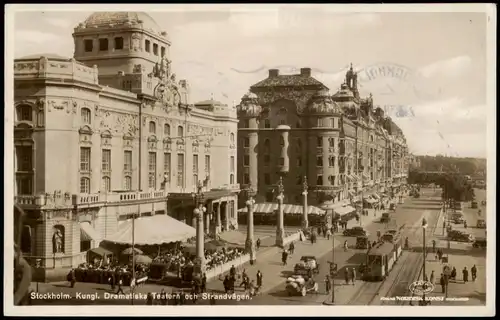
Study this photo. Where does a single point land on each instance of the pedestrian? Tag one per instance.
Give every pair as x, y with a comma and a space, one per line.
204, 282
120, 288
284, 257
319, 230
291, 248
225, 282
244, 278
433, 246
442, 282
432, 277
473, 271
346, 276
112, 280
465, 274
149, 299
328, 234
328, 284
454, 274
345, 245
465, 224
353, 275
259, 279
258, 243
232, 271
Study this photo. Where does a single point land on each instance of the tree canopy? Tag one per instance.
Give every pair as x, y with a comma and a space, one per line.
455, 185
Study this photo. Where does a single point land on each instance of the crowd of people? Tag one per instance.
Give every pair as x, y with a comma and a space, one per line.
111, 273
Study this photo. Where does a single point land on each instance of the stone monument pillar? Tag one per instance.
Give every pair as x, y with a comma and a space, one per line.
280, 226
250, 243
305, 221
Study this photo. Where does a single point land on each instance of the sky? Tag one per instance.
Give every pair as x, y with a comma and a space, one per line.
440, 102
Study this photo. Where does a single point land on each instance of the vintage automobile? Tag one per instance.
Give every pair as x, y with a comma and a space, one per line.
386, 217
473, 204
461, 237
306, 266
481, 224
362, 242
297, 285
457, 218
479, 243
355, 232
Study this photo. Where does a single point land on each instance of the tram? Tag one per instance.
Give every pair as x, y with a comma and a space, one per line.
382, 257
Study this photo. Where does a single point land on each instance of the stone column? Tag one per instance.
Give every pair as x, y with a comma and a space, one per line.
218, 224
250, 243
199, 213
305, 221
280, 227
226, 213
207, 223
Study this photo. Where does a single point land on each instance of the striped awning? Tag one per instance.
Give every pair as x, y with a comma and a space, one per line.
88, 233
344, 210
270, 207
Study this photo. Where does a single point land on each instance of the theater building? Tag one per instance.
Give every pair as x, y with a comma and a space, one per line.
110, 134
292, 126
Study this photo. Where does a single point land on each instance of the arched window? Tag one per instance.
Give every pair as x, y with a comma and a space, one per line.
85, 114
166, 130
231, 178
24, 113
84, 185
231, 138
180, 131
128, 183
106, 184
152, 127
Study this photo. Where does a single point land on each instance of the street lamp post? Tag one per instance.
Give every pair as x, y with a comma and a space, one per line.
424, 275
305, 221
199, 213
280, 227
250, 243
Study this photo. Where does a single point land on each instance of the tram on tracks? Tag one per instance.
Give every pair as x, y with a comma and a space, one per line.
382, 257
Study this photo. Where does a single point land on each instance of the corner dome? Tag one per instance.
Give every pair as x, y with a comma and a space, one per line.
322, 104
120, 19
249, 106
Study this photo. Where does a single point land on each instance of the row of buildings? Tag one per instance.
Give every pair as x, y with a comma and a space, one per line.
111, 134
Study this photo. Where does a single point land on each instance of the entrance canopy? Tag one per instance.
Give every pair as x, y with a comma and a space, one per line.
153, 230
344, 210
270, 207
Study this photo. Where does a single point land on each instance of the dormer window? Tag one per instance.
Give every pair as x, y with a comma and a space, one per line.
147, 46
89, 45
118, 43
103, 44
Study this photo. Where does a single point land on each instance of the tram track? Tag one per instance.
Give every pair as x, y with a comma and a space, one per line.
369, 291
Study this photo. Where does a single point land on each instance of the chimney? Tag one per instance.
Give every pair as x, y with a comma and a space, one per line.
273, 73
306, 72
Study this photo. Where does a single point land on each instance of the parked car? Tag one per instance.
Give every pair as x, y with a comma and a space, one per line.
461, 237
457, 218
355, 232
481, 224
479, 243
386, 217
306, 264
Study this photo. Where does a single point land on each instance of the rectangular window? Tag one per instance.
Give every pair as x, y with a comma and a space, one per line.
147, 46
282, 161
162, 52
180, 170
195, 163
24, 184
118, 43
246, 160
246, 142
231, 164
106, 184
152, 169
155, 49
299, 161
207, 165
267, 124
127, 160
246, 178
84, 185
24, 158
319, 180
103, 44
167, 161
267, 178
319, 141
320, 122
106, 160
128, 183
319, 161
89, 45
85, 159
332, 122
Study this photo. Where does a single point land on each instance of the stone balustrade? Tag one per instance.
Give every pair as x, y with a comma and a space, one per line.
66, 200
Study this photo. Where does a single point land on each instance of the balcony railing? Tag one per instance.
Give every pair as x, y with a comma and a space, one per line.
66, 200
